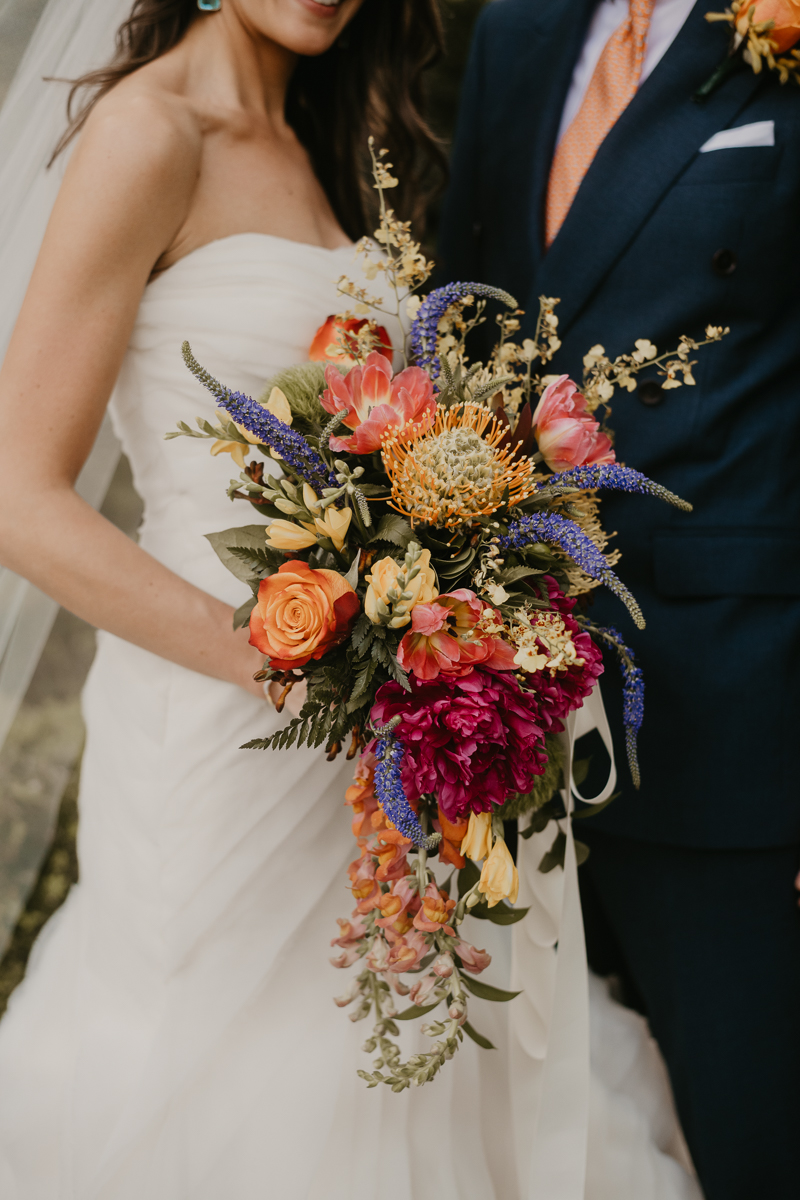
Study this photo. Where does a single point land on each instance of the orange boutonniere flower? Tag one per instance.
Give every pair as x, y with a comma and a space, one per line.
762, 31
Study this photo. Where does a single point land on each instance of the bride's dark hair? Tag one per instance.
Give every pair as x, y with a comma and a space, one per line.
370, 82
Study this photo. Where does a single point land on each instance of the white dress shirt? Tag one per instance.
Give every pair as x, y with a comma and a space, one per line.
667, 19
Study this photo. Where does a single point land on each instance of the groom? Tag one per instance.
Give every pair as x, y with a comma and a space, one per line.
584, 169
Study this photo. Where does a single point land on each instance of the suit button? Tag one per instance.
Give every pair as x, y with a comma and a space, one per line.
650, 393
724, 262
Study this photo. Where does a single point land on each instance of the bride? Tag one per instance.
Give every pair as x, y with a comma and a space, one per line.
175, 1037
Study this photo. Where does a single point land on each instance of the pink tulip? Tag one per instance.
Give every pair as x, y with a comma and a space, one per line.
565, 431
372, 402
443, 639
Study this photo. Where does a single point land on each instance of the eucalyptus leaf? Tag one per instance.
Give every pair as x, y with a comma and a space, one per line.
555, 855
477, 1037
504, 915
485, 991
411, 1014
581, 852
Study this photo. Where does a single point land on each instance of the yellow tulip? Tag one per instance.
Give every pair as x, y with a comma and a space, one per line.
384, 578
478, 840
499, 877
310, 498
334, 525
235, 449
278, 405
285, 535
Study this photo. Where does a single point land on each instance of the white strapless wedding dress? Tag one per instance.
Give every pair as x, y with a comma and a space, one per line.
175, 1038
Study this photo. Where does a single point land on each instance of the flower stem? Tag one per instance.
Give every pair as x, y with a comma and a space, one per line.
729, 66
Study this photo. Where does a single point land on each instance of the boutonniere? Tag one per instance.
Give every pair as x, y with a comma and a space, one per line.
762, 31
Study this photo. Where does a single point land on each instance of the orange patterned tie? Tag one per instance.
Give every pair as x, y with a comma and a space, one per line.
610, 91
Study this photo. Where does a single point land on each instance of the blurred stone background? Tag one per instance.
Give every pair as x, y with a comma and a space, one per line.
40, 759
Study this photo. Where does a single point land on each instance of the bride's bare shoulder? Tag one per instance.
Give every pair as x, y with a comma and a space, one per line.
143, 130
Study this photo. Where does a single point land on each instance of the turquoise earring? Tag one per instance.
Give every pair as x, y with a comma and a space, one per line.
209, 5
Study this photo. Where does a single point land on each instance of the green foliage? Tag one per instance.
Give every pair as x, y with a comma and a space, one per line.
394, 529
477, 1037
245, 553
499, 914
411, 1014
242, 615
451, 555
555, 855
485, 991
302, 386
340, 690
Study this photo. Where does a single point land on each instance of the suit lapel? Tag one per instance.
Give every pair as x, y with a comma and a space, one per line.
537, 55
649, 147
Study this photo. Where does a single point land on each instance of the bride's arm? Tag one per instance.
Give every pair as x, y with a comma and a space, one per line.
125, 197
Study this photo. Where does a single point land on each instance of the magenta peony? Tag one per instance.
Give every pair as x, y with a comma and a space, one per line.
372, 402
471, 741
565, 431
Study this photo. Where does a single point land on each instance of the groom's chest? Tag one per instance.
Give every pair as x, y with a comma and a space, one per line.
665, 194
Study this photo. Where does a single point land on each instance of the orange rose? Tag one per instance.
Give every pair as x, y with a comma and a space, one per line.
301, 613
786, 15
325, 346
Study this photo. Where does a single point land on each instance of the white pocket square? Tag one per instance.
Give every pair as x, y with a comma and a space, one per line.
760, 133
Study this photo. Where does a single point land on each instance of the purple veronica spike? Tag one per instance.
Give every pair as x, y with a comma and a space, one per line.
632, 694
391, 794
569, 537
431, 311
612, 476
292, 447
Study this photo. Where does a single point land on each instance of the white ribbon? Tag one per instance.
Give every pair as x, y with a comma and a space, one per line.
550, 1020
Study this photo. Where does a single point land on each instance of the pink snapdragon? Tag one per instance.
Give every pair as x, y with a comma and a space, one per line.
408, 952
565, 431
422, 990
472, 960
350, 932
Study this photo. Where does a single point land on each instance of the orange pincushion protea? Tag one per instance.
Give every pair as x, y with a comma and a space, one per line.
454, 471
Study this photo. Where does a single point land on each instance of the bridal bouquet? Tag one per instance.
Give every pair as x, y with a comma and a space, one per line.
432, 531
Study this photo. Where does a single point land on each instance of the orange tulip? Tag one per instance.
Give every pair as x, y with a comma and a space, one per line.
326, 346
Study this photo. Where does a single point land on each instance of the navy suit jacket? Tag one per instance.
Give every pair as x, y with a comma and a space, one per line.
637, 256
